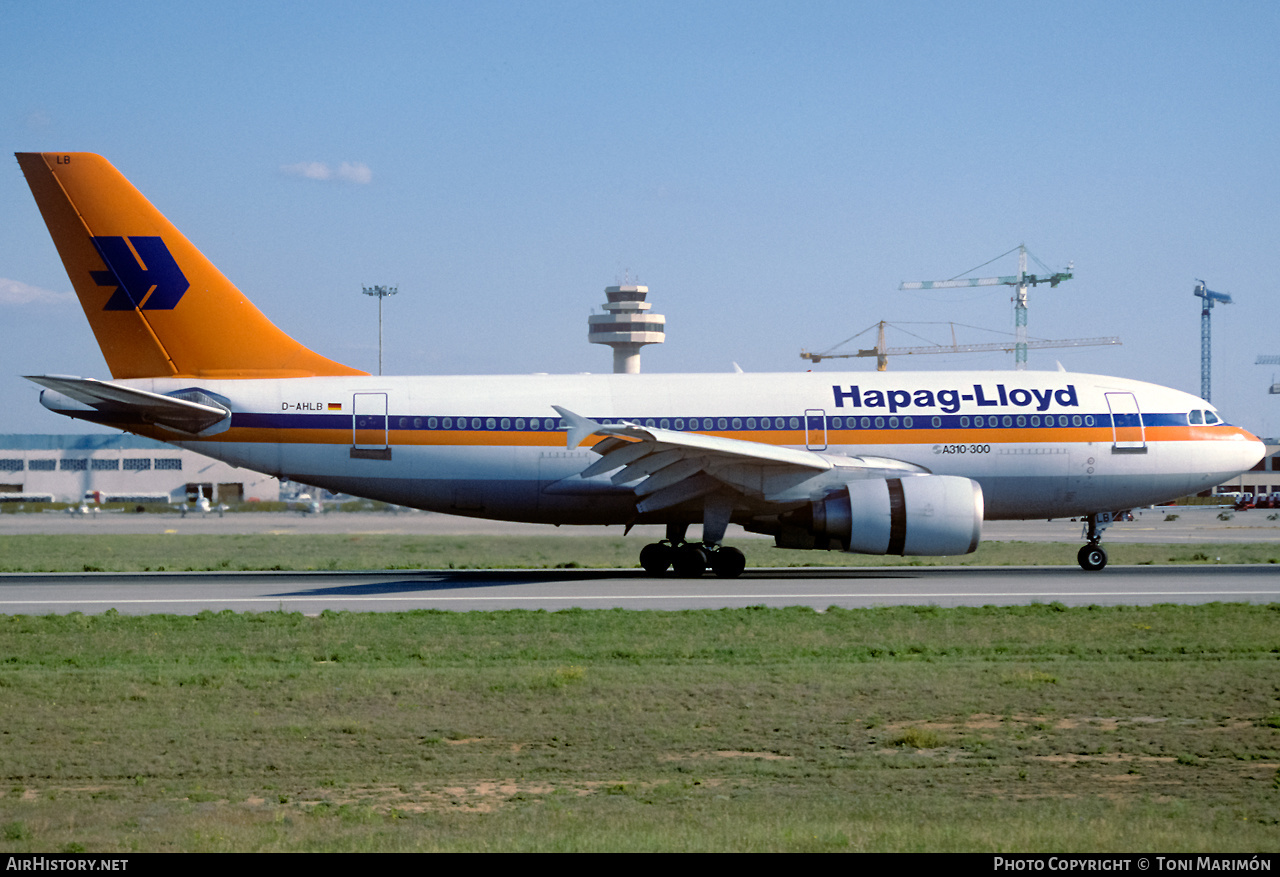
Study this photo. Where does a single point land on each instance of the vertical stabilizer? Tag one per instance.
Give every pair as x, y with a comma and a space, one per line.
157, 306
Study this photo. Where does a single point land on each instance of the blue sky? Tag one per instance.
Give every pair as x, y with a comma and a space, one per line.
771, 171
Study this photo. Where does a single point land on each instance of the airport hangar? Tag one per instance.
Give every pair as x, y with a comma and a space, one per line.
120, 468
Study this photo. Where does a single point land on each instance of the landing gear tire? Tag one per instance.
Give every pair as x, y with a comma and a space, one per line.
728, 563
689, 561
1092, 558
656, 558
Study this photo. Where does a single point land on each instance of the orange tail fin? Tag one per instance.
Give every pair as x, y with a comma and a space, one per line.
157, 306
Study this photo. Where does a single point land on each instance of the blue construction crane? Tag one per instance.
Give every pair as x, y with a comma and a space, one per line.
1206, 353
1271, 360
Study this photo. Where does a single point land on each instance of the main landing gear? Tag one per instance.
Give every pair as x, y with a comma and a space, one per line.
690, 559
1093, 556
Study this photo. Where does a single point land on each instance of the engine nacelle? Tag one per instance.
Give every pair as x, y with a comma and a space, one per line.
915, 515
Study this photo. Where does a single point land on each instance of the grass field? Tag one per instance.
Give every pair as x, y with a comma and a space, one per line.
1011, 729
170, 552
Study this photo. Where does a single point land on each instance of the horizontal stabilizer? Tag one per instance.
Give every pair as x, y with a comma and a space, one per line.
192, 411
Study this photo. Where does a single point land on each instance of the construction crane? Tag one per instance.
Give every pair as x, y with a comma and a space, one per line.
1206, 352
1271, 360
882, 352
1020, 281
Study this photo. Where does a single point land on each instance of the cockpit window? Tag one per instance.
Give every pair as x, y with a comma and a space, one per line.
1210, 417
1197, 418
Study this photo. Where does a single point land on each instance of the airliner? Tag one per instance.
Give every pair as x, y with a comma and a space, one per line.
873, 463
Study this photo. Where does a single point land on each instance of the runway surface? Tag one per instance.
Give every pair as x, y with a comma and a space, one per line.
312, 593
184, 593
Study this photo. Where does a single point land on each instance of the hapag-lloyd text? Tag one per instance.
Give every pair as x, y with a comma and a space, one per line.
949, 401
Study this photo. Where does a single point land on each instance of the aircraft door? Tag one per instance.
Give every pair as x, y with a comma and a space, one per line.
369, 428
1128, 432
815, 429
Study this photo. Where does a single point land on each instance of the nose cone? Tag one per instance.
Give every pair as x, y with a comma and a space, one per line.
1227, 452
1246, 449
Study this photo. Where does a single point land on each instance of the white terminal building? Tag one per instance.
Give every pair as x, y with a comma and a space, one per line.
120, 468
626, 325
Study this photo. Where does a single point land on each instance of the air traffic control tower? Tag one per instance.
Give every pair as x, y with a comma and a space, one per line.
626, 327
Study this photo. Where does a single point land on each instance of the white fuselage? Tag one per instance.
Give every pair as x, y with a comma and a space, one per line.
1040, 444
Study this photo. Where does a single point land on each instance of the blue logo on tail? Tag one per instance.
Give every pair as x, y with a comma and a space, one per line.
157, 273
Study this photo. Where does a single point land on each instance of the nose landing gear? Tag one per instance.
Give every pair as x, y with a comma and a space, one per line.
1093, 557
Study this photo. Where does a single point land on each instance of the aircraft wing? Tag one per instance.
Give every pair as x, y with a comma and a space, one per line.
189, 411
672, 467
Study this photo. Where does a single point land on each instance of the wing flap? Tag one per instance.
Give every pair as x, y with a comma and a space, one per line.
626, 452
672, 474
691, 488
653, 462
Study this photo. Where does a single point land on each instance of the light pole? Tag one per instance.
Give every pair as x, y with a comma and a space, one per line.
381, 292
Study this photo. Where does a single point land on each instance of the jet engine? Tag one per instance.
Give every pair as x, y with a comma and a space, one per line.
913, 515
